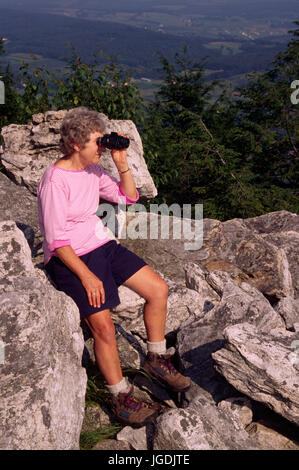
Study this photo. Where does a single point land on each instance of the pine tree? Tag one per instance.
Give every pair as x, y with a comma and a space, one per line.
187, 159
107, 89
270, 122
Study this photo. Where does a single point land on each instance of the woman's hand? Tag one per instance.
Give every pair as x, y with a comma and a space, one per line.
94, 289
120, 158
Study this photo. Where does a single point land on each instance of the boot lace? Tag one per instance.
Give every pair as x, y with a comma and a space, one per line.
166, 362
132, 403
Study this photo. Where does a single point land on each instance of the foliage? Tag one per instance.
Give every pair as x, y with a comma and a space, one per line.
108, 90
270, 121
89, 439
187, 161
30, 97
237, 155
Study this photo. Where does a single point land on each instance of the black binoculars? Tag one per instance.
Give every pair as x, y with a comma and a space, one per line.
113, 141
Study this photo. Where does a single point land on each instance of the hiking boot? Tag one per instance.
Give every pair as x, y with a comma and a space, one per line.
160, 368
133, 412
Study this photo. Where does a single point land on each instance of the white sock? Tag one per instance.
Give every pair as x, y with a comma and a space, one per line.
121, 387
159, 347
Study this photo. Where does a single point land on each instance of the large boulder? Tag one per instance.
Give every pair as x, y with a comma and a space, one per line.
18, 204
198, 338
263, 260
42, 381
30, 148
201, 426
263, 365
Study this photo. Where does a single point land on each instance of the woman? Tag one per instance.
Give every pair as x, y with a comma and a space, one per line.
88, 266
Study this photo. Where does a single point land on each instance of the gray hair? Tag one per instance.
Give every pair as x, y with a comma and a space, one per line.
76, 128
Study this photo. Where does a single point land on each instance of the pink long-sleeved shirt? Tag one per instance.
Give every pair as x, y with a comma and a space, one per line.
67, 205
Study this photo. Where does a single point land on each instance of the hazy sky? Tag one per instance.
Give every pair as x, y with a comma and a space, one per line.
207, 5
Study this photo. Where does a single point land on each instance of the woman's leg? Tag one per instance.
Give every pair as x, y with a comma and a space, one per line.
147, 283
105, 347
155, 291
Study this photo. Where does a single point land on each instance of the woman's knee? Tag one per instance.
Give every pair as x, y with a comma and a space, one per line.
101, 326
159, 292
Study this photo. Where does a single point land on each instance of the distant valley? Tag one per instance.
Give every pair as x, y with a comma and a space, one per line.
234, 46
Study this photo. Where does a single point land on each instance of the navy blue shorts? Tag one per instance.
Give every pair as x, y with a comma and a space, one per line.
112, 263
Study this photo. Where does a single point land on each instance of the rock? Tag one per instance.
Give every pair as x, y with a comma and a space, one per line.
269, 439
288, 244
95, 417
239, 409
245, 303
201, 426
231, 246
139, 439
112, 444
198, 338
130, 307
29, 149
129, 349
18, 204
196, 279
42, 382
260, 365
288, 309
280, 228
273, 222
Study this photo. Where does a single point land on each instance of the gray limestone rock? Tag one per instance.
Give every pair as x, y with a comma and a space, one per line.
200, 426
18, 204
42, 387
231, 246
29, 149
262, 365
198, 338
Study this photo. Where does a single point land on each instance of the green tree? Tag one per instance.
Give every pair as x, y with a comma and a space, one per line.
107, 88
269, 123
188, 161
238, 156
25, 95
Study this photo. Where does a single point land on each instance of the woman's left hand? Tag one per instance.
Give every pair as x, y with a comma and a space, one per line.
120, 158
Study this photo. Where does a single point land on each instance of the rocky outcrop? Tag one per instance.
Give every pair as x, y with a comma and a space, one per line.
42, 381
262, 366
201, 426
28, 150
266, 261
232, 317
198, 339
18, 204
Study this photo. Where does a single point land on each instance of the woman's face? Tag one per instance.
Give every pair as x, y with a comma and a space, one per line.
90, 154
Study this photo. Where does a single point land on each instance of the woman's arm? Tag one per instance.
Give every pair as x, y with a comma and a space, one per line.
126, 180
92, 284
127, 184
